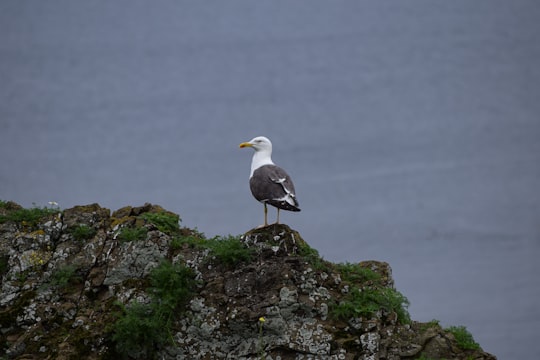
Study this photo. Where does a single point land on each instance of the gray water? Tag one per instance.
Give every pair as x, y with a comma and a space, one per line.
410, 130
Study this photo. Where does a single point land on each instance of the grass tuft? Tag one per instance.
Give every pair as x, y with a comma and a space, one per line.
229, 250
166, 222
132, 234
312, 257
172, 285
82, 232
193, 241
463, 337
366, 302
353, 273
26, 217
65, 276
139, 331
142, 328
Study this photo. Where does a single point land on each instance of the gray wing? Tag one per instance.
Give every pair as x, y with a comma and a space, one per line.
273, 185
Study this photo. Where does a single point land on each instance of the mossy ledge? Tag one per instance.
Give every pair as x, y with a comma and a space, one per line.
83, 283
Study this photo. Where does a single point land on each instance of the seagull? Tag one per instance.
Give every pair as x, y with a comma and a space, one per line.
269, 183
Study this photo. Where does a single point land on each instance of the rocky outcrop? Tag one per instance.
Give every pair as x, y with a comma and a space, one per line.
84, 284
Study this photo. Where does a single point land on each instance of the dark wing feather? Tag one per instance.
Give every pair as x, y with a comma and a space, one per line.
271, 184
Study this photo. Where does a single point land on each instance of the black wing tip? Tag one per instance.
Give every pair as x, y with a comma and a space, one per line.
284, 205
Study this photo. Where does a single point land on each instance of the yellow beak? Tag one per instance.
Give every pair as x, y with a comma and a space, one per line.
245, 144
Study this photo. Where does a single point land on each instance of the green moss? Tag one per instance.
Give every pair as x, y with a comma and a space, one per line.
165, 221
463, 337
82, 232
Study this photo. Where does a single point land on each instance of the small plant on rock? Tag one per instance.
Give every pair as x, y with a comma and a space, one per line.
166, 222
82, 232
262, 356
64, 276
138, 331
463, 337
172, 285
423, 357
366, 302
141, 328
312, 257
27, 218
4, 264
132, 234
433, 323
229, 250
353, 273
193, 241
38, 258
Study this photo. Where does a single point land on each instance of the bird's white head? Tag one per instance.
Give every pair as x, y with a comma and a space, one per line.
263, 152
259, 143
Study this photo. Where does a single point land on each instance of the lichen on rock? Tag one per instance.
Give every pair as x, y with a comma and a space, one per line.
70, 278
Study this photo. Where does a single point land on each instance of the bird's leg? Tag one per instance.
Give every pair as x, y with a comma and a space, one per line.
265, 217
277, 221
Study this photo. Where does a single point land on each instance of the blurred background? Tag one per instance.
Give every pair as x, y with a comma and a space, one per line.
411, 130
